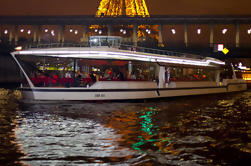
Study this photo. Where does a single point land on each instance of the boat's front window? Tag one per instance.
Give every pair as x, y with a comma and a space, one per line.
46, 71
191, 74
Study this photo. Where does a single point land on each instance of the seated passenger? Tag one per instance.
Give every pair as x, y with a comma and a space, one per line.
120, 76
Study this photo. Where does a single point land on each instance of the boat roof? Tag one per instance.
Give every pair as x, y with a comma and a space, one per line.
117, 54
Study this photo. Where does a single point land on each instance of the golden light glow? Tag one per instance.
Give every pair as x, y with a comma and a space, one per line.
246, 77
122, 7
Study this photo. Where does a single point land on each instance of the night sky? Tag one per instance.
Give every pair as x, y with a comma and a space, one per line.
155, 7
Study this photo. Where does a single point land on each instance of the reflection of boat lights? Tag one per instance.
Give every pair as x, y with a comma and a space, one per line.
148, 127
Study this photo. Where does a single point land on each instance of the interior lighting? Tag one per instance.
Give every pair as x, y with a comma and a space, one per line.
100, 32
149, 32
198, 31
124, 32
46, 30
29, 32
71, 30
224, 31
173, 31
96, 30
121, 30
22, 30
76, 32
5, 31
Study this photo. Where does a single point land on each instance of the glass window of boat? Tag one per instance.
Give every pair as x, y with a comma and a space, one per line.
191, 74
48, 71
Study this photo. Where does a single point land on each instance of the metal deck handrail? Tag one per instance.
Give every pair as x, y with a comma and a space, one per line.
121, 47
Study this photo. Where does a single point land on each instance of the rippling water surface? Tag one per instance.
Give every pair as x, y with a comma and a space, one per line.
198, 130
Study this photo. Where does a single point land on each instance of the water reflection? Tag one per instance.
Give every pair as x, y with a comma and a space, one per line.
199, 130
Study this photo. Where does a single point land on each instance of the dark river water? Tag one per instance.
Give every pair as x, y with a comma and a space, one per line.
197, 130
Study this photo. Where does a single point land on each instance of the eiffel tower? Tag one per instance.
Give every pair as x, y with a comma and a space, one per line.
129, 8
122, 8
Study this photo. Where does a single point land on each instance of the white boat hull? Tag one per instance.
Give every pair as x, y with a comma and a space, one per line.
88, 94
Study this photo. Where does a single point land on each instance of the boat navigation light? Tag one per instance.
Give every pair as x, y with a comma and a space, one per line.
18, 48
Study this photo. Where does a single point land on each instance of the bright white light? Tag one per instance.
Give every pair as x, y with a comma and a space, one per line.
124, 32
220, 47
22, 30
29, 32
224, 31
147, 30
5, 31
76, 32
19, 48
52, 33
71, 30
121, 30
198, 31
46, 30
100, 32
96, 30
173, 31
249, 31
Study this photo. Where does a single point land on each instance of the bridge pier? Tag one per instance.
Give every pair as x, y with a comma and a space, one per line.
185, 35
211, 40
135, 35
109, 30
85, 34
237, 35
160, 40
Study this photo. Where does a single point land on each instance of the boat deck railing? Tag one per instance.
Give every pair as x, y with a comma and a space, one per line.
121, 47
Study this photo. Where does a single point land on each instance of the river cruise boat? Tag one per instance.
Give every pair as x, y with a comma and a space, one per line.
107, 70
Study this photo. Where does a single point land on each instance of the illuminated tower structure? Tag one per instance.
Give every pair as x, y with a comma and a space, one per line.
122, 7
129, 8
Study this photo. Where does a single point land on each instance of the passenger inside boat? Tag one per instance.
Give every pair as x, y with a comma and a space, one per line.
76, 72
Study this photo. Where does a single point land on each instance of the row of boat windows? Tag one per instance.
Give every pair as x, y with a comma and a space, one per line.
69, 72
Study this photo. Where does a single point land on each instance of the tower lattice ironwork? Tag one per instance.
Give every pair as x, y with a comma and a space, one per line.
122, 7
